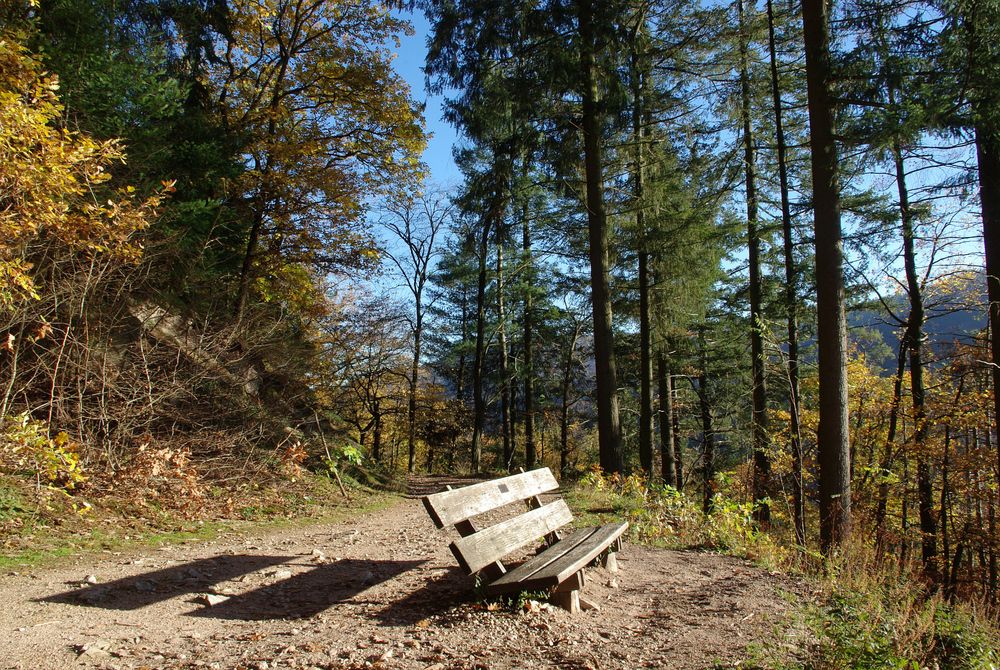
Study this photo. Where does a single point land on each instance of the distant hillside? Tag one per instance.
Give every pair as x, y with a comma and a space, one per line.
956, 311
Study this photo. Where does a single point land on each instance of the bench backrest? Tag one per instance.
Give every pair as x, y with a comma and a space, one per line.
476, 548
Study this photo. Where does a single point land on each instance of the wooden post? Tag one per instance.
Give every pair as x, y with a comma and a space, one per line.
567, 594
610, 561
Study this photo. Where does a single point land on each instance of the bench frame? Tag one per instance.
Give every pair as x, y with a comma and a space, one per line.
558, 567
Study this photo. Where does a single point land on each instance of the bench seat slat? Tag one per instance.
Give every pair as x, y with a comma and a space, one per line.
557, 563
451, 507
491, 544
542, 560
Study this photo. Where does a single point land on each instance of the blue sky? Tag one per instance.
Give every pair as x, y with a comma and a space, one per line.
412, 52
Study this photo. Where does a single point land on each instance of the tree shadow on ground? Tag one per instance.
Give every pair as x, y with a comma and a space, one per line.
131, 593
437, 596
308, 593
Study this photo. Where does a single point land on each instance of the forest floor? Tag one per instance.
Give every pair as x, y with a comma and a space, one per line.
382, 591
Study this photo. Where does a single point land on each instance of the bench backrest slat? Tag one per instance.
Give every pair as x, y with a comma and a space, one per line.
491, 544
451, 507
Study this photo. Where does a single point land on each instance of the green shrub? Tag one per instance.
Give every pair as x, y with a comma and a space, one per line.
871, 614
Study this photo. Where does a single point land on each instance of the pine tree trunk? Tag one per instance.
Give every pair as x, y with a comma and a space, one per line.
567, 381
512, 428
668, 469
608, 425
478, 400
708, 432
505, 422
988, 157
460, 374
758, 422
915, 337
791, 290
638, 75
675, 429
833, 441
645, 370
987, 135
528, 344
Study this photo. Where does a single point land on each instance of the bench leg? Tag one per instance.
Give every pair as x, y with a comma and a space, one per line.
610, 561
567, 594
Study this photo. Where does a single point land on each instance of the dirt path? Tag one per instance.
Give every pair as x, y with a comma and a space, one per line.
381, 591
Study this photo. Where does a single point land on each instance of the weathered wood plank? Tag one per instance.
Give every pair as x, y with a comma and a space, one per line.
493, 543
556, 564
534, 502
512, 580
450, 507
582, 554
493, 570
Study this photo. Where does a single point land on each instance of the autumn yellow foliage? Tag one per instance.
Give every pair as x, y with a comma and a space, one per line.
50, 178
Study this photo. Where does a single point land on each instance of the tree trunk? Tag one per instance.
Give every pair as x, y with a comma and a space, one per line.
608, 426
890, 440
987, 134
377, 433
832, 439
645, 366
512, 416
567, 381
261, 198
479, 402
505, 422
708, 433
904, 521
991, 564
638, 78
675, 429
243, 289
950, 590
791, 290
988, 157
915, 323
460, 382
758, 421
943, 512
668, 469
411, 410
529, 345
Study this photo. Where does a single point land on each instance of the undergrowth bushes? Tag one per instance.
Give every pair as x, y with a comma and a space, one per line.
663, 516
26, 449
869, 611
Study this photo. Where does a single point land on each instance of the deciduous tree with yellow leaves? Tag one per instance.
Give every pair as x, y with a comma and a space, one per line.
328, 124
50, 178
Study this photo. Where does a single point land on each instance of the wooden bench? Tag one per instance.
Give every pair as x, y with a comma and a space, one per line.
559, 568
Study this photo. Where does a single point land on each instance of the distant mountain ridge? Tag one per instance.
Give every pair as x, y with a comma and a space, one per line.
956, 312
